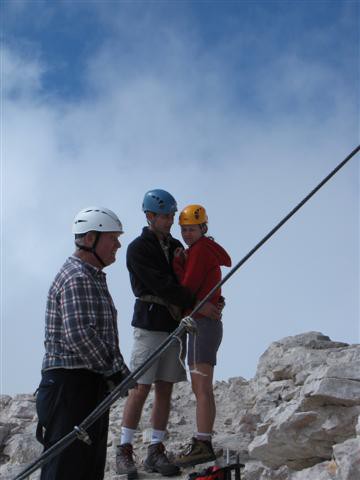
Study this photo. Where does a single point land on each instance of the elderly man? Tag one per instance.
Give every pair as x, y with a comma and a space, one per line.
82, 357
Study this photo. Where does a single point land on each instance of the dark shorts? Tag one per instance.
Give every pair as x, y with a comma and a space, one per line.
203, 347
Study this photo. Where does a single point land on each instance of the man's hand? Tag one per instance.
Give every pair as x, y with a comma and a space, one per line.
180, 253
211, 311
116, 378
221, 303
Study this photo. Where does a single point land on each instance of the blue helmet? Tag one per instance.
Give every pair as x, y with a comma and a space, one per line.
159, 201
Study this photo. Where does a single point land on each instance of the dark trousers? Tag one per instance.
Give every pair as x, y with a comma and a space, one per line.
65, 398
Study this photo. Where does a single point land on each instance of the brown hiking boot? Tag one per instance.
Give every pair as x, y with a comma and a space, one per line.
125, 462
157, 461
198, 451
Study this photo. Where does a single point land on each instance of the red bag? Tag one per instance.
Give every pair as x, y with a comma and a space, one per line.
217, 473
211, 473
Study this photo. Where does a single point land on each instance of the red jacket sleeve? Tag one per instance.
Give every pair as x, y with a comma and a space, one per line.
195, 269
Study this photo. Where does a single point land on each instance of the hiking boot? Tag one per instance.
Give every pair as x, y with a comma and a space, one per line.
125, 462
198, 451
157, 461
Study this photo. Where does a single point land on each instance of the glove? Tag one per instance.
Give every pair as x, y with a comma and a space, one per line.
116, 378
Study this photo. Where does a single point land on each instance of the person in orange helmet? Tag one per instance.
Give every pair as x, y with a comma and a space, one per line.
198, 268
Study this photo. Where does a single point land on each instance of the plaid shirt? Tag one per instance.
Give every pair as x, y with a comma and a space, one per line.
81, 321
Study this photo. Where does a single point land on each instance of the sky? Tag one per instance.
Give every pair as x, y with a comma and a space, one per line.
241, 106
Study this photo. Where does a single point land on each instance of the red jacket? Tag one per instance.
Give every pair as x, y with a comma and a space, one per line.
200, 272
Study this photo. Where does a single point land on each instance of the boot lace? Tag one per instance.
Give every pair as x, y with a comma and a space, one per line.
186, 449
126, 454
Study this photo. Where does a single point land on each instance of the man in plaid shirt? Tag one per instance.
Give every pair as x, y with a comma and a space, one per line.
82, 357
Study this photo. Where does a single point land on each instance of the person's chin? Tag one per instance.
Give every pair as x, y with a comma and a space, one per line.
111, 259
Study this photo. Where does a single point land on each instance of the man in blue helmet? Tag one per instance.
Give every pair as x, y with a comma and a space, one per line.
157, 311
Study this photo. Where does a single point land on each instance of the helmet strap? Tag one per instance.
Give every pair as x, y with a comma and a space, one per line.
149, 221
92, 249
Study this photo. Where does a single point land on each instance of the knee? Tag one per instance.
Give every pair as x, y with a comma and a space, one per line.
163, 389
140, 393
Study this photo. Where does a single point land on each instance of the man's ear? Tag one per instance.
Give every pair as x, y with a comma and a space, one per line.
89, 239
150, 216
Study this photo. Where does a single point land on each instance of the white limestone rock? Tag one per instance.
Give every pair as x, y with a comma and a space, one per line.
9, 471
308, 399
301, 410
257, 471
347, 457
358, 427
23, 447
334, 385
4, 433
322, 471
286, 358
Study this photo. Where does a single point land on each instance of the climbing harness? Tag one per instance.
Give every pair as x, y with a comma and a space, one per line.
174, 310
128, 382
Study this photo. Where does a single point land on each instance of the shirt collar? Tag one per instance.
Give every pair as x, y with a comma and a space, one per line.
146, 232
94, 270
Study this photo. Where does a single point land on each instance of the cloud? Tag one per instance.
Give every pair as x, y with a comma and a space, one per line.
166, 110
21, 75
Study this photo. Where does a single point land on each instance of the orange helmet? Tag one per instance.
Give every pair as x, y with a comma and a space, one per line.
193, 215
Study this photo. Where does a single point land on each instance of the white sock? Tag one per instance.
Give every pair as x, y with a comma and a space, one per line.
127, 435
157, 436
203, 436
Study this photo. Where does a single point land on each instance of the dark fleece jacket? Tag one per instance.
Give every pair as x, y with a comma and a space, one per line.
151, 273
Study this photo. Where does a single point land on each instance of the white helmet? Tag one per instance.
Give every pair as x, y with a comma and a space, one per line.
96, 219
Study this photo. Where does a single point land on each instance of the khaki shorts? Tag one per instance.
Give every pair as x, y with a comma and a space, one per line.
167, 367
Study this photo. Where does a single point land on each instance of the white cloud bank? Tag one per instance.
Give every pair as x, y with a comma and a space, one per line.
176, 128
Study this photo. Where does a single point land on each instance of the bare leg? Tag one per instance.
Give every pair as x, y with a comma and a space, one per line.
205, 403
134, 405
161, 407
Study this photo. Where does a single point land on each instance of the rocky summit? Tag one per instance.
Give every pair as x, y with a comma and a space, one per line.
298, 419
